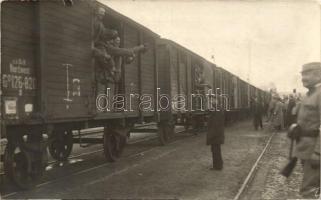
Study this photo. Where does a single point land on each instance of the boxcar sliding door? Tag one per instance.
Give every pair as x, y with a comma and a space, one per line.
66, 55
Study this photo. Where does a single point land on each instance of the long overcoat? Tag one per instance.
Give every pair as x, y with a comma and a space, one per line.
290, 117
215, 134
278, 118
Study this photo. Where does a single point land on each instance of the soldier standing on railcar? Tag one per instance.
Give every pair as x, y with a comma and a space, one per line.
102, 59
99, 28
215, 134
309, 117
104, 67
98, 23
107, 55
118, 60
119, 55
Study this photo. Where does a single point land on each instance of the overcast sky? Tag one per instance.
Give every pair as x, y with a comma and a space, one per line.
265, 41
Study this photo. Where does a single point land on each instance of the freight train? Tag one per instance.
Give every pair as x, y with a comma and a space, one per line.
49, 85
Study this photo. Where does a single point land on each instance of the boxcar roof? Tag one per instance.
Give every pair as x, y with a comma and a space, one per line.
125, 18
162, 40
165, 41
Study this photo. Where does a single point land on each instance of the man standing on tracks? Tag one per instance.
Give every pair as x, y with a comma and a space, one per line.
215, 134
309, 117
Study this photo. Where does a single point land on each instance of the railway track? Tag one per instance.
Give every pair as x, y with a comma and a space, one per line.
100, 131
142, 151
86, 154
253, 170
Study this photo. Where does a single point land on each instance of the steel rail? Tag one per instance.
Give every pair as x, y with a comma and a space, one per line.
100, 150
98, 166
253, 169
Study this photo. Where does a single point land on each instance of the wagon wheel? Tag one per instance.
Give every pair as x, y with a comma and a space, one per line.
165, 132
113, 144
60, 145
16, 168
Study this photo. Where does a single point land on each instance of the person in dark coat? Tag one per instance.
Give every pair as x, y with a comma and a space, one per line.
215, 136
278, 118
290, 117
257, 110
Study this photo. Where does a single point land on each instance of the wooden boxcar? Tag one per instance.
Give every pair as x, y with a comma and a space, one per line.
230, 86
185, 77
49, 87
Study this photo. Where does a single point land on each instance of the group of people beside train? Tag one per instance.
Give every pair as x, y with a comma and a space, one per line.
305, 130
108, 54
301, 116
282, 112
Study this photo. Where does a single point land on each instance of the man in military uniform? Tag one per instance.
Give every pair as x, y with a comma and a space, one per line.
271, 106
99, 28
107, 55
257, 113
309, 117
215, 134
290, 118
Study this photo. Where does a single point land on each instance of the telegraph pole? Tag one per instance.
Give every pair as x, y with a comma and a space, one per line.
249, 60
249, 71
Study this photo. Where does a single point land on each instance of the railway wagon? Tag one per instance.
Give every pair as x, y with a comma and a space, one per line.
228, 89
49, 87
244, 96
236, 93
182, 72
185, 77
234, 98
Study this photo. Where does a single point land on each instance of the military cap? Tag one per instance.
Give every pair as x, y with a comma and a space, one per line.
100, 11
311, 66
